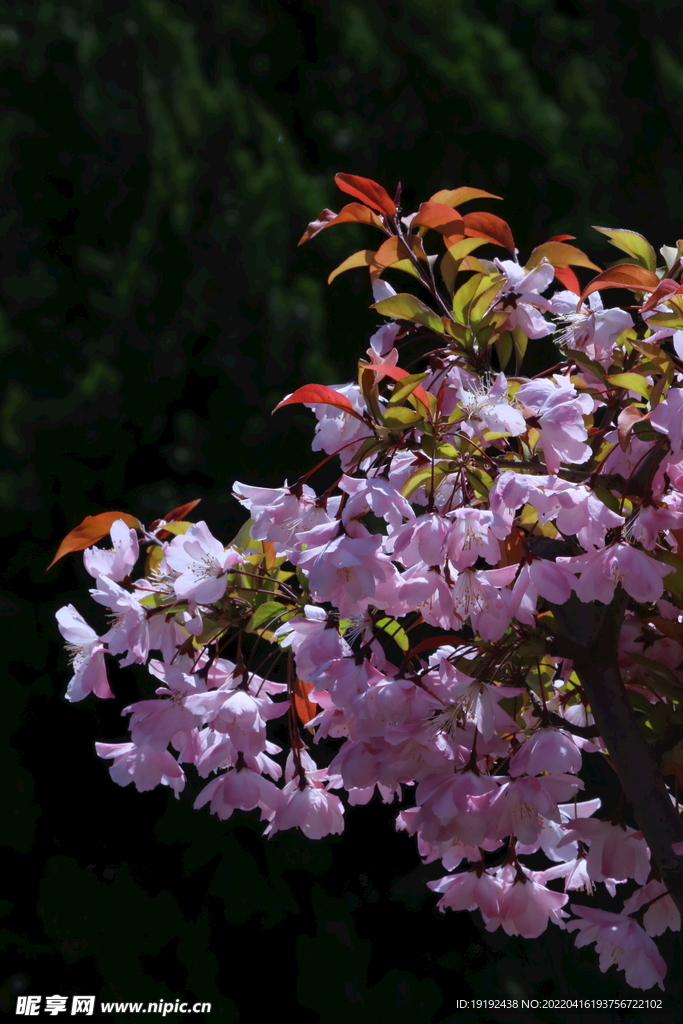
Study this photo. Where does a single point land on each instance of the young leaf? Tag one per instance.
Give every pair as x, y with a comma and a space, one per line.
181, 511
493, 229
560, 255
367, 190
633, 244
407, 307
362, 258
324, 218
390, 253
92, 529
455, 196
395, 372
661, 293
319, 394
629, 381
628, 418
569, 279
624, 275
305, 708
440, 218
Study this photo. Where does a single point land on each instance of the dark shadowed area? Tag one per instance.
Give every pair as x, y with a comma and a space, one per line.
159, 163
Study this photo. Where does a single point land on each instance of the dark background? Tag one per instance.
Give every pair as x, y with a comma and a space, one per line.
160, 161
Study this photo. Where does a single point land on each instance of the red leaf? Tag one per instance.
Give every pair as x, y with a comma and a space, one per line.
369, 191
325, 218
319, 394
662, 291
567, 277
432, 642
562, 238
179, 513
305, 708
396, 373
493, 229
351, 213
92, 529
439, 217
175, 516
626, 421
456, 196
624, 275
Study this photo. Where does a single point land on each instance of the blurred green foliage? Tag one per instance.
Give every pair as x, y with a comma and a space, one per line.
159, 161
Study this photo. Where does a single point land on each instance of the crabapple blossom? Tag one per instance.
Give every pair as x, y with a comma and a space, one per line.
431, 611
87, 656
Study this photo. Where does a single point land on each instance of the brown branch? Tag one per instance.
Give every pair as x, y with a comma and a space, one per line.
588, 633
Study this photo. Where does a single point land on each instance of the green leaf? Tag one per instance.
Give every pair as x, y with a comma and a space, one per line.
405, 386
396, 631
408, 307
630, 242
631, 382
422, 477
401, 418
268, 614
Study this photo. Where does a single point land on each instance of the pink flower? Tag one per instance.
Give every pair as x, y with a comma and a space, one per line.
527, 907
117, 563
523, 803
470, 890
520, 297
619, 940
667, 417
239, 714
87, 656
661, 915
601, 571
559, 411
202, 564
616, 851
143, 766
239, 790
376, 495
592, 329
478, 595
129, 634
548, 750
490, 409
313, 809
475, 533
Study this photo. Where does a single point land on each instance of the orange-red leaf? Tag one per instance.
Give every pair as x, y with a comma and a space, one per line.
567, 277
624, 275
493, 229
390, 252
662, 291
325, 218
456, 196
562, 238
396, 373
440, 217
181, 511
512, 549
367, 190
305, 708
92, 529
319, 394
173, 517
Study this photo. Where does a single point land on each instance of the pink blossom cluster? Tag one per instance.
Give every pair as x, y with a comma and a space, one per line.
413, 605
